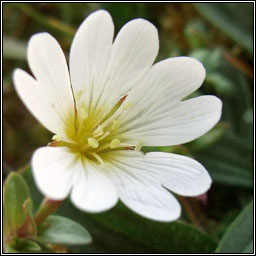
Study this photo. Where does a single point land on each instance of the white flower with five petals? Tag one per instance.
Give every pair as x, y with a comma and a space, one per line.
111, 102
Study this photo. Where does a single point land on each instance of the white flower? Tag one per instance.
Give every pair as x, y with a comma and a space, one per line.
99, 131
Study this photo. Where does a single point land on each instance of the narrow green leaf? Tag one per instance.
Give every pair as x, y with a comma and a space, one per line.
229, 162
239, 236
16, 192
61, 230
234, 19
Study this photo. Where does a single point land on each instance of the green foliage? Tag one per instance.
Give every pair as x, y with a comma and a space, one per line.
224, 46
61, 230
21, 245
239, 236
16, 193
234, 19
28, 228
230, 162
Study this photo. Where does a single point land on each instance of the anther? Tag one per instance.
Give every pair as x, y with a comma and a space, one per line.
56, 137
138, 146
114, 143
93, 142
99, 131
96, 156
104, 135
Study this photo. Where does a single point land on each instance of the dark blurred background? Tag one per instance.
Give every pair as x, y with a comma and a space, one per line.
220, 35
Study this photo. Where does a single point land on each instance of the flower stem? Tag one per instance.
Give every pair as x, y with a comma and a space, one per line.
47, 207
192, 210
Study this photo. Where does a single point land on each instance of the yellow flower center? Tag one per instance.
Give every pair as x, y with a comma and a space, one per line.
88, 134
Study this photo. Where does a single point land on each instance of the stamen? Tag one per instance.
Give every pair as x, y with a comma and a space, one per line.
104, 135
99, 131
83, 113
96, 156
56, 137
127, 105
115, 125
85, 147
105, 146
138, 146
114, 143
93, 142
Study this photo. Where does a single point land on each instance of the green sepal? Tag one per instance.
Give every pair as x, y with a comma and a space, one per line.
28, 228
61, 230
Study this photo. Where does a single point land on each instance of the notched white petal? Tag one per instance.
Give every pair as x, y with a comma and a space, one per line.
138, 189
141, 181
38, 102
180, 174
93, 191
54, 171
48, 64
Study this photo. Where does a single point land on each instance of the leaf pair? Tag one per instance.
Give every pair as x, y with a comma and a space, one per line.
20, 231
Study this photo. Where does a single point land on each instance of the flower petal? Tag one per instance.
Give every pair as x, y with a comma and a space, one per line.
37, 100
103, 72
93, 191
134, 51
54, 170
155, 97
139, 186
182, 175
177, 124
89, 56
48, 64
158, 118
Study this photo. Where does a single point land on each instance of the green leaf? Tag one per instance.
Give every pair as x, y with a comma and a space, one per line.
16, 192
121, 231
239, 236
28, 228
230, 161
25, 245
21, 245
234, 19
61, 230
